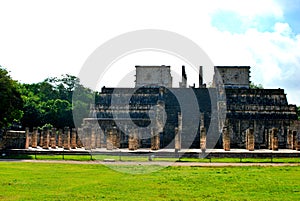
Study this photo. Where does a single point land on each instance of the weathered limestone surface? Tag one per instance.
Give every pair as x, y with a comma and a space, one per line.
60, 138
226, 139
34, 138
250, 139
202, 138
53, 138
274, 140
155, 139
66, 138
177, 139
73, 139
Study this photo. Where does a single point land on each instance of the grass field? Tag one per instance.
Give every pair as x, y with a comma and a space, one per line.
50, 181
145, 158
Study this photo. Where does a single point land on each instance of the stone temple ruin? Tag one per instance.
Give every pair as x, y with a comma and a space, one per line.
154, 115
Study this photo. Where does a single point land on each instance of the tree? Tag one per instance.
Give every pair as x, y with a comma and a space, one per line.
10, 100
50, 102
256, 86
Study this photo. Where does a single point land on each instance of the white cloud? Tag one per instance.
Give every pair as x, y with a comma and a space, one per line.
47, 39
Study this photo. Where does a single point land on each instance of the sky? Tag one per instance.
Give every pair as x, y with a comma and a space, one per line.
40, 39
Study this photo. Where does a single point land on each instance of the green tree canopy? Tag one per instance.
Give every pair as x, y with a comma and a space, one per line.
10, 100
50, 102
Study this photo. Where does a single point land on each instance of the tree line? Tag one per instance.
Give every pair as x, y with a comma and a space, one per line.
47, 103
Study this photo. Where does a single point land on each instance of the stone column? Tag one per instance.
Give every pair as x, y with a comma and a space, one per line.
270, 139
298, 145
115, 138
133, 141
109, 140
41, 138
250, 140
130, 142
98, 138
87, 132
27, 138
53, 138
73, 139
289, 139
60, 138
155, 140
226, 139
177, 139
180, 125
294, 140
202, 138
46, 138
79, 136
275, 139
34, 137
66, 138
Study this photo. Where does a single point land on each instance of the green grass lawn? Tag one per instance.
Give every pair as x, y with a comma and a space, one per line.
50, 181
142, 158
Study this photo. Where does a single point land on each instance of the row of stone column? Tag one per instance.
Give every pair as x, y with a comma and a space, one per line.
292, 142
52, 138
92, 137
273, 139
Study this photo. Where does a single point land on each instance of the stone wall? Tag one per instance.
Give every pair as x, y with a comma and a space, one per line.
13, 140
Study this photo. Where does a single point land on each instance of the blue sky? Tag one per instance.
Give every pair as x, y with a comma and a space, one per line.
234, 22
39, 39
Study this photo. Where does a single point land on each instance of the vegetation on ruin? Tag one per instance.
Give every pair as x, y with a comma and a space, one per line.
37, 181
256, 86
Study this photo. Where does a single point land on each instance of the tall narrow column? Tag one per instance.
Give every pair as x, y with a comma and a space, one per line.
41, 135
177, 139
60, 138
66, 139
250, 141
73, 139
155, 140
53, 138
34, 137
289, 139
27, 138
93, 138
46, 138
79, 137
294, 139
202, 138
87, 137
115, 138
98, 138
270, 139
226, 139
109, 143
275, 139
179, 133
131, 140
